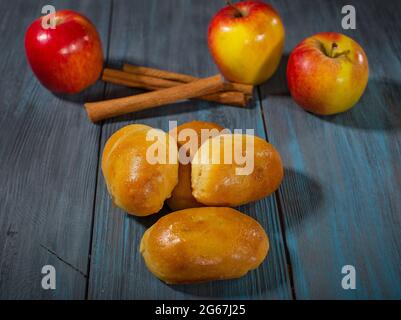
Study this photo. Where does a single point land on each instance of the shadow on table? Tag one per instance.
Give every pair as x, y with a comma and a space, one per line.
91, 94
98, 90
277, 84
254, 285
178, 108
150, 220
379, 108
300, 196
114, 91
184, 107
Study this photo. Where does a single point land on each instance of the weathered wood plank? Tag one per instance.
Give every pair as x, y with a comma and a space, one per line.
172, 35
49, 154
341, 195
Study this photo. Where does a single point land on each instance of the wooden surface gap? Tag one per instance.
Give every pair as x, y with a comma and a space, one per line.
98, 157
277, 198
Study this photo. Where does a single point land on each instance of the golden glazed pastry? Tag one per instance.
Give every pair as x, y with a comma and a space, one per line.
204, 244
216, 183
135, 184
181, 197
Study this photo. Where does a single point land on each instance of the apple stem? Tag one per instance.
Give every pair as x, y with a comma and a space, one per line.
334, 46
237, 10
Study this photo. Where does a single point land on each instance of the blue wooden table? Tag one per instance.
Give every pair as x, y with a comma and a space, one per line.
339, 204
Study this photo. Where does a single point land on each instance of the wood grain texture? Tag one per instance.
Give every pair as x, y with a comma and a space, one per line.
172, 35
341, 198
48, 152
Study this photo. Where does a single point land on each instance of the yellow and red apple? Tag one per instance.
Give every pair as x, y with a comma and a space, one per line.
246, 41
327, 73
68, 58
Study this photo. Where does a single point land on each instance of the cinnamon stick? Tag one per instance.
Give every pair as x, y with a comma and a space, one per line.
115, 107
158, 73
167, 75
140, 79
153, 83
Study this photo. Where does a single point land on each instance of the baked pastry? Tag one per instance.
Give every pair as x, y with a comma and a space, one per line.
217, 182
181, 197
137, 185
204, 244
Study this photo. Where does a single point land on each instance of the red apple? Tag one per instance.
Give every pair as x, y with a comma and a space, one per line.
327, 73
68, 58
246, 40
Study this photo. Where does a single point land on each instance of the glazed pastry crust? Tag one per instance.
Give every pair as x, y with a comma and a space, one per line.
181, 197
136, 186
218, 184
204, 244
